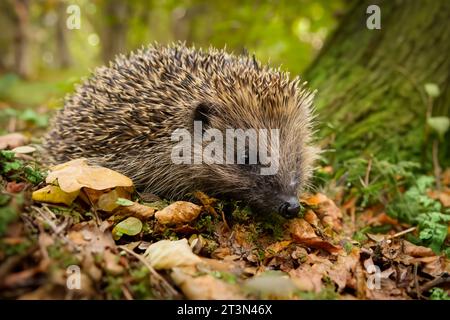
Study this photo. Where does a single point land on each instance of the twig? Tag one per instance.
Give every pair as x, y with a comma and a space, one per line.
366, 178
437, 167
166, 284
398, 234
416, 282
443, 278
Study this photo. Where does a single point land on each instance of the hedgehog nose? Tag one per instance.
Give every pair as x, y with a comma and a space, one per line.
290, 208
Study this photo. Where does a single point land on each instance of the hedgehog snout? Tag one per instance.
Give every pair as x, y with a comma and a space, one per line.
289, 207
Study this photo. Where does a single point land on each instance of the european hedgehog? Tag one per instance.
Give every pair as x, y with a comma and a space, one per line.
123, 117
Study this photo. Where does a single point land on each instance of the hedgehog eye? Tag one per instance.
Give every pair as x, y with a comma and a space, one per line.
202, 113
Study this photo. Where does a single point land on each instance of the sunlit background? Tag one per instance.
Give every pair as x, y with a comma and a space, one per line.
42, 56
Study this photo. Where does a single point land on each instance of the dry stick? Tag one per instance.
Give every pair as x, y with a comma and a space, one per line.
97, 218
437, 167
127, 293
444, 277
369, 167
398, 234
151, 269
416, 282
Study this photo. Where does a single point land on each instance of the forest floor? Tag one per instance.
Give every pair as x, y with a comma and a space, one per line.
370, 230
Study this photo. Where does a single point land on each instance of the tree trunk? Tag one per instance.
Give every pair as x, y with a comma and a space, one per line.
114, 33
21, 39
63, 53
371, 98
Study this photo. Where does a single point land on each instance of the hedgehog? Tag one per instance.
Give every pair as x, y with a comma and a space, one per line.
124, 116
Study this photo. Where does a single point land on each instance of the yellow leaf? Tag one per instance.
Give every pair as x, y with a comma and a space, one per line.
76, 174
108, 201
54, 194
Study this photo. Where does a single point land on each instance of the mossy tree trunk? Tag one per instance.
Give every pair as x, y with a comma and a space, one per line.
371, 98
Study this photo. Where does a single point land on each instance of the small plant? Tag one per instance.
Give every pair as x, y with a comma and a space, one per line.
18, 170
439, 294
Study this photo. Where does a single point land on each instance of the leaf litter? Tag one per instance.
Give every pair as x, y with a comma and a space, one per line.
89, 217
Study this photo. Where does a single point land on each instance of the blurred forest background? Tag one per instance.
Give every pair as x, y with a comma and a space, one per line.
40, 55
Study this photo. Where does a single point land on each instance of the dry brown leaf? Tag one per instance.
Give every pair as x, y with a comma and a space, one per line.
416, 251
326, 210
15, 187
87, 236
112, 263
433, 266
178, 212
343, 270
300, 229
443, 196
271, 285
76, 174
221, 253
137, 210
303, 233
446, 177
307, 279
311, 218
205, 287
12, 140
166, 254
277, 247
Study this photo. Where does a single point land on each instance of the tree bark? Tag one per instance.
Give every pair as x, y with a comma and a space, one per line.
63, 53
114, 33
21, 39
371, 98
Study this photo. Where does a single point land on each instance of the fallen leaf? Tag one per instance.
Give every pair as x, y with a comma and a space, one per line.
344, 269
167, 254
112, 263
277, 247
416, 251
88, 236
137, 210
207, 202
54, 194
178, 212
108, 201
12, 140
124, 202
311, 218
76, 174
24, 149
271, 285
15, 187
205, 287
326, 210
306, 278
130, 226
443, 196
302, 232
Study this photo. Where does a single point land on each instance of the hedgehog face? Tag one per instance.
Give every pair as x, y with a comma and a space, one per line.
270, 163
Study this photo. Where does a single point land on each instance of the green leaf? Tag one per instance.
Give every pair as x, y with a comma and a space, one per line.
439, 294
130, 226
432, 90
439, 124
12, 166
124, 202
8, 155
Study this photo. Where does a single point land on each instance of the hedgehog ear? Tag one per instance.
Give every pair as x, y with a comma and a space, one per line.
203, 112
